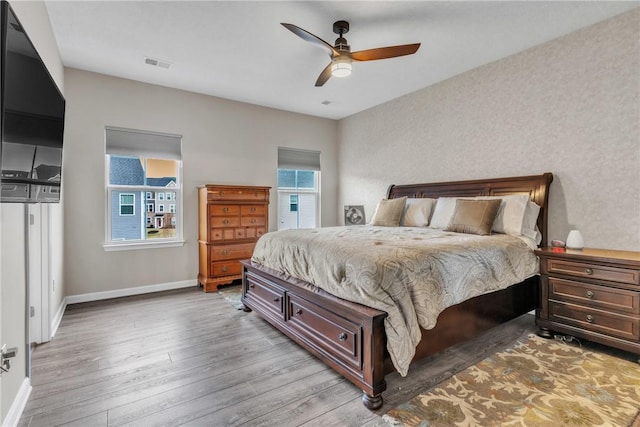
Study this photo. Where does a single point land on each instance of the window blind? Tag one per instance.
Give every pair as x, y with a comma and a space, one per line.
128, 142
296, 159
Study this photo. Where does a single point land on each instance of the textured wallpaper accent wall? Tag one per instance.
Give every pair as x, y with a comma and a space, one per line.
570, 106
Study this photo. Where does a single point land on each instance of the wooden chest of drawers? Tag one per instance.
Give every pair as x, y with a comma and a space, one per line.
231, 219
592, 294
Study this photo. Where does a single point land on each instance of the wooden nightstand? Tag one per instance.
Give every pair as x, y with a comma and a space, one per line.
592, 294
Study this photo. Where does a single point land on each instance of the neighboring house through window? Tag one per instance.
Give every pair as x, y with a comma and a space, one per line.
298, 188
127, 204
142, 168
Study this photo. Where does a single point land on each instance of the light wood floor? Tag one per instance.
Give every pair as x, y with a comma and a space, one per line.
189, 358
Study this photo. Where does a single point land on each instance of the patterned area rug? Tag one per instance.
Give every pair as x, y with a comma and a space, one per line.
232, 294
538, 382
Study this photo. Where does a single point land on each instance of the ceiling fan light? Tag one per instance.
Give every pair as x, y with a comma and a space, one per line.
341, 67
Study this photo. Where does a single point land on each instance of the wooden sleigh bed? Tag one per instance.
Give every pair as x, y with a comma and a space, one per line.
350, 337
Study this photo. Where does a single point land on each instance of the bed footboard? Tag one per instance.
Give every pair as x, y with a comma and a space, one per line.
346, 336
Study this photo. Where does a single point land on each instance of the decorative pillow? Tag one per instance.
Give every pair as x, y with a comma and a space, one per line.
443, 211
517, 215
417, 212
529, 225
474, 216
388, 212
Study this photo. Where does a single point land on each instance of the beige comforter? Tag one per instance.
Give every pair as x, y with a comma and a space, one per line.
411, 273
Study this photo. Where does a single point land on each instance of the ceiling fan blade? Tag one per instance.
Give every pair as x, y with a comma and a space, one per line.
311, 38
324, 76
385, 52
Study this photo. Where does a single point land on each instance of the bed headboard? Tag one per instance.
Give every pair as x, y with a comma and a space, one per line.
536, 186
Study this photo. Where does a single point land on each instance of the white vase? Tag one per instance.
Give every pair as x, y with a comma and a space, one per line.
575, 240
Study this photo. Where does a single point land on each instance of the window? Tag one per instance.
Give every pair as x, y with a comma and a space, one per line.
127, 204
168, 197
140, 167
298, 188
293, 203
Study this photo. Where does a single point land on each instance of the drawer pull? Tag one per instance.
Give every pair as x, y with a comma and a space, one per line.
224, 252
226, 221
342, 336
299, 311
589, 294
589, 271
251, 285
253, 221
225, 268
253, 209
589, 318
276, 299
225, 209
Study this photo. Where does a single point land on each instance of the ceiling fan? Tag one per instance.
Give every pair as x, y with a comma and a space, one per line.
341, 55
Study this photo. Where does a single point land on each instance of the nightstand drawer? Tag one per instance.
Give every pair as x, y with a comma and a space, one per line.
591, 271
606, 298
616, 325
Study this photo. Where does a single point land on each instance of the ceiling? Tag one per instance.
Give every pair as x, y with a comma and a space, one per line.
238, 49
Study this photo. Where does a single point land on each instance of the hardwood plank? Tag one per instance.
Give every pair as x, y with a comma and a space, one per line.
236, 374
277, 393
300, 411
194, 405
140, 384
350, 414
186, 357
97, 420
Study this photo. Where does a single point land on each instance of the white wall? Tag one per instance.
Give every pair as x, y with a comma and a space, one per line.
13, 299
35, 20
569, 107
224, 142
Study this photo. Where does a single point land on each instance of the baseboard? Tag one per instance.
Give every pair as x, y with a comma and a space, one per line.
96, 296
55, 322
18, 405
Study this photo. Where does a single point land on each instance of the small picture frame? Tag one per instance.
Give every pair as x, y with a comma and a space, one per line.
354, 215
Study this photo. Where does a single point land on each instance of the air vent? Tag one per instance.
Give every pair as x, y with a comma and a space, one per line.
157, 62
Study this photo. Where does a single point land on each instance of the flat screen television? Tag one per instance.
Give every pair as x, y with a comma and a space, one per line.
32, 120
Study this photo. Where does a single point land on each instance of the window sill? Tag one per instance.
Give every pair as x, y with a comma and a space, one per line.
110, 247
